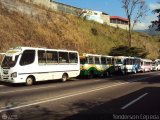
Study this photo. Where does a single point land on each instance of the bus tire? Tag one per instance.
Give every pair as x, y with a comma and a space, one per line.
134, 71
107, 74
64, 77
91, 75
29, 81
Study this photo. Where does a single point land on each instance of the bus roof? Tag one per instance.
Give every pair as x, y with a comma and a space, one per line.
96, 55
146, 60
40, 48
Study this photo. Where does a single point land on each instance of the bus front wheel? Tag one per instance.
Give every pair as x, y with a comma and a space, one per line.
29, 81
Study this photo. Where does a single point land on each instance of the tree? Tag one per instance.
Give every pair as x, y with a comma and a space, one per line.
156, 22
135, 10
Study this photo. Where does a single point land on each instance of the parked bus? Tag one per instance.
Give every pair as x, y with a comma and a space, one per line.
156, 65
119, 64
127, 64
94, 65
1, 57
29, 64
132, 64
146, 65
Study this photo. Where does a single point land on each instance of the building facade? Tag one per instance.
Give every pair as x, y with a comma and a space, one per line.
119, 22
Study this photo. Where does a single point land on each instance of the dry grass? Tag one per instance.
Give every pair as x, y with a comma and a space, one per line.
63, 31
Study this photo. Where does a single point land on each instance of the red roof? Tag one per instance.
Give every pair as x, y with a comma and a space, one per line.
120, 18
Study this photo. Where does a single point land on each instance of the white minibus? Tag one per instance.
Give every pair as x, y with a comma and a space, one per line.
29, 64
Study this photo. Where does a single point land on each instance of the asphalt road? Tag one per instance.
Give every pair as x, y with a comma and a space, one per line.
131, 96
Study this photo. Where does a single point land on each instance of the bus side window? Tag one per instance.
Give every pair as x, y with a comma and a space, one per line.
109, 60
97, 60
63, 57
90, 60
28, 57
73, 57
41, 56
103, 60
52, 57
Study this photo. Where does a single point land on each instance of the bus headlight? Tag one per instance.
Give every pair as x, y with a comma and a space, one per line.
14, 75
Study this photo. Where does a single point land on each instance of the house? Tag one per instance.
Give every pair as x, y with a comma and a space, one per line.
120, 22
92, 15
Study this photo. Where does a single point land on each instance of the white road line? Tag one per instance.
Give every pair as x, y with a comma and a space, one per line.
66, 95
62, 97
28, 89
132, 102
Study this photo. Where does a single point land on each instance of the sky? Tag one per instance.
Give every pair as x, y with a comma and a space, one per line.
114, 8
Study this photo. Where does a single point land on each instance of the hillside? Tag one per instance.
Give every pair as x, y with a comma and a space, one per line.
24, 24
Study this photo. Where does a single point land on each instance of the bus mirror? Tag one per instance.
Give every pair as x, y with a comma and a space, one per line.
13, 58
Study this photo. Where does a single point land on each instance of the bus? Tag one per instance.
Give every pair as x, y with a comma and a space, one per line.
1, 57
132, 64
119, 64
145, 65
29, 65
94, 65
156, 65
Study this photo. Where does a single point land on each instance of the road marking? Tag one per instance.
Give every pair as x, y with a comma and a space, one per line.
28, 89
56, 86
3, 109
132, 102
66, 95
62, 97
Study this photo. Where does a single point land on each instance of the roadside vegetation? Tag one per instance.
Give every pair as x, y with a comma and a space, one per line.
63, 31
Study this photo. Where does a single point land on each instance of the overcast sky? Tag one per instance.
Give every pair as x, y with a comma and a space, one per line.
114, 8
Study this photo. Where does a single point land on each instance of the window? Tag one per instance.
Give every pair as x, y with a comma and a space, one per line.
97, 61
90, 60
103, 60
73, 57
63, 57
128, 61
52, 57
41, 56
118, 61
109, 60
28, 57
113, 21
112, 61
7, 61
142, 63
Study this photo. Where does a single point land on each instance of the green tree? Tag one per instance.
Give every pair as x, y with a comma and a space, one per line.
128, 51
156, 22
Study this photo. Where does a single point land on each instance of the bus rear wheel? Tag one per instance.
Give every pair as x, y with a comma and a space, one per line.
64, 77
29, 81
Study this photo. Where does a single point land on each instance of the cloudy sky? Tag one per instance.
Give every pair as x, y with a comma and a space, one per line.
114, 8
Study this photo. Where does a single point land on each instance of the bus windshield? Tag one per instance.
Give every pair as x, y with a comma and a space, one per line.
118, 61
8, 62
83, 60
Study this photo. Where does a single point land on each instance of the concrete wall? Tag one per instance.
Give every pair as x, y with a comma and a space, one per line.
125, 27
52, 5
